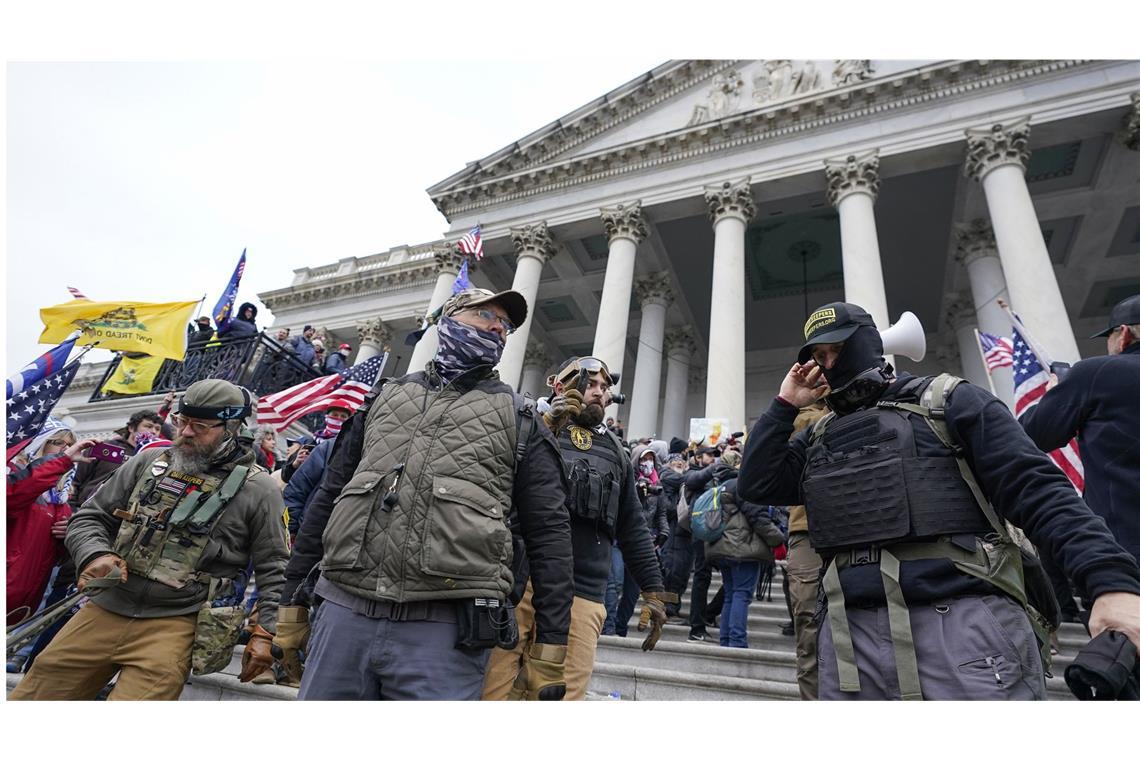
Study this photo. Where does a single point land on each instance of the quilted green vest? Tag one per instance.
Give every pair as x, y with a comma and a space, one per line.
445, 462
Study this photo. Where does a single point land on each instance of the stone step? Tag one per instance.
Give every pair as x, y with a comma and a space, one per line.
700, 658
646, 683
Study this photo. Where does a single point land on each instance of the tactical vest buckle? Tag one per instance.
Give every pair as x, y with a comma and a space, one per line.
865, 556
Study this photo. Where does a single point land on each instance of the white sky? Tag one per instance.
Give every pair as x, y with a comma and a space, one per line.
144, 179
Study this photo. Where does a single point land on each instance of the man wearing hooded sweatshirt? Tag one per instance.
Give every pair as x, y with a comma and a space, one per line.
906, 506
242, 326
410, 528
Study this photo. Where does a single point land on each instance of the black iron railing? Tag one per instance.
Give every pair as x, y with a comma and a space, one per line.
259, 363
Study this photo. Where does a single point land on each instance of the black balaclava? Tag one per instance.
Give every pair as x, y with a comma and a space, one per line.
860, 373
463, 347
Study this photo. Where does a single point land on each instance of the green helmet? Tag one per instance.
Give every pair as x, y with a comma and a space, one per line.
216, 400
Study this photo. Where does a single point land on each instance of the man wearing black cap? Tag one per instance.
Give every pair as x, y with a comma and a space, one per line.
410, 527
1098, 402
303, 346
907, 485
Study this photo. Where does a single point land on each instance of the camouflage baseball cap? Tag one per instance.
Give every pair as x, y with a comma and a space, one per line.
511, 300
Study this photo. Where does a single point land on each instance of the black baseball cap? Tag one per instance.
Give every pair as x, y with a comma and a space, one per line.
832, 323
1127, 312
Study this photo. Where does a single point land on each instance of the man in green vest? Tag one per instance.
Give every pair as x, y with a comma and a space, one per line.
156, 545
411, 527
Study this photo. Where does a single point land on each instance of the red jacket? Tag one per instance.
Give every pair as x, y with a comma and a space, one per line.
32, 551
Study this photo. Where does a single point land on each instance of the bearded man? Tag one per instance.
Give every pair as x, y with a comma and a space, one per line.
157, 544
604, 509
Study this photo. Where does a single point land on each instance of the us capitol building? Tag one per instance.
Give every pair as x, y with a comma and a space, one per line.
682, 227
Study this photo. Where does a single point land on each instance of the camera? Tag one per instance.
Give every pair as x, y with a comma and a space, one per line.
617, 398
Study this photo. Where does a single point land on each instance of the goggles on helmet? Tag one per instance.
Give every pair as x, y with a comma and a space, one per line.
591, 364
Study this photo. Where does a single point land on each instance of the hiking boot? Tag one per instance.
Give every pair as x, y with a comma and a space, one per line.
788, 629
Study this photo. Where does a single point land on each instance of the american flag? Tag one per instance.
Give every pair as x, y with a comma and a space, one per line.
346, 388
28, 409
76, 293
1029, 380
472, 243
998, 352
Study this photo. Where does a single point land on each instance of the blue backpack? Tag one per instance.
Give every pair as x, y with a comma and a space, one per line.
707, 516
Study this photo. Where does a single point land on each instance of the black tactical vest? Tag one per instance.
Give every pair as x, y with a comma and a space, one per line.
594, 467
865, 485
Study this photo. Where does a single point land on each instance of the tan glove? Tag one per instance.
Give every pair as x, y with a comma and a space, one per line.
257, 657
543, 674
563, 408
292, 636
100, 567
653, 616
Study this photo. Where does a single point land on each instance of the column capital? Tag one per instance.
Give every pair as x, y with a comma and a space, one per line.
960, 312
854, 174
730, 200
1130, 134
698, 376
448, 259
654, 288
680, 341
999, 145
624, 221
975, 241
534, 240
946, 352
374, 331
536, 356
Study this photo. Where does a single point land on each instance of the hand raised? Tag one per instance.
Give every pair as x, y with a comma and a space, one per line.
804, 384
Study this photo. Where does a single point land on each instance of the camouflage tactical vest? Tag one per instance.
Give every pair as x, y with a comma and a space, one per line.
159, 537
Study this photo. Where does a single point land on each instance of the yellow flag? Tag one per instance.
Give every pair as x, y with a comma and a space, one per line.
133, 375
158, 329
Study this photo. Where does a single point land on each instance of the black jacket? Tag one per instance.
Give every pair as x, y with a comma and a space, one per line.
538, 498
671, 485
239, 327
200, 337
592, 556
1023, 485
654, 509
1098, 403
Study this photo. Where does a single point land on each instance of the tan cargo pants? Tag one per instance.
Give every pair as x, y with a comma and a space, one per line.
586, 619
151, 655
803, 586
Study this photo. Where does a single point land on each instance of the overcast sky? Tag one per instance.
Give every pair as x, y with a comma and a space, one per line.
144, 181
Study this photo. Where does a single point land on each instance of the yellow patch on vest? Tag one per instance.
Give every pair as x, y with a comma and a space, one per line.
817, 320
582, 438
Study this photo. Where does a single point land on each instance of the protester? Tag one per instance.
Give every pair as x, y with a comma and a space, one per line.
1097, 401
337, 361
202, 335
622, 589
265, 447
243, 325
302, 345
927, 557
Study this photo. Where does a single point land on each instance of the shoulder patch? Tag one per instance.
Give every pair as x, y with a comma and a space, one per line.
582, 438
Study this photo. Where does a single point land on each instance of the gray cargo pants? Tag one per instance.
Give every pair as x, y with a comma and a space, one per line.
975, 647
353, 657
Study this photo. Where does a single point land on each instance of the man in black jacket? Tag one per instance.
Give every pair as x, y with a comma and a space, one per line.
604, 508
410, 526
1097, 401
923, 600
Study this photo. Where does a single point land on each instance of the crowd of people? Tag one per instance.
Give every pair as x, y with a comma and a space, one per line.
484, 542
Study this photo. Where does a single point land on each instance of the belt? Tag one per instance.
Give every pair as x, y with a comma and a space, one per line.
378, 609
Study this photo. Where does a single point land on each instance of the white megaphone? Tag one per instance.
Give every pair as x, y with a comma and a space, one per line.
905, 337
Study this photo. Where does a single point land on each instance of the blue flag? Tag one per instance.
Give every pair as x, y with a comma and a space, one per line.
461, 280
30, 407
223, 310
50, 362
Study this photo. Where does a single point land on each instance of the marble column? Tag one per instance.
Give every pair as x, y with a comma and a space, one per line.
852, 187
1130, 134
655, 295
977, 251
448, 260
536, 368
375, 339
680, 345
625, 228
962, 320
996, 157
730, 208
534, 246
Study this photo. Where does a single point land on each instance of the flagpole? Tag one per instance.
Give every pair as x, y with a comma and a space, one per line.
1034, 346
978, 345
201, 301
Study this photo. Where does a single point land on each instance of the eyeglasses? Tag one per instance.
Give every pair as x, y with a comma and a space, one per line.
57, 442
490, 316
179, 422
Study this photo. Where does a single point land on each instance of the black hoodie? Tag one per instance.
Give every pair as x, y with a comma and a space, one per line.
239, 326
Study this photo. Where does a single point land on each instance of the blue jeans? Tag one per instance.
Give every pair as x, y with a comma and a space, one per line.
740, 578
621, 596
